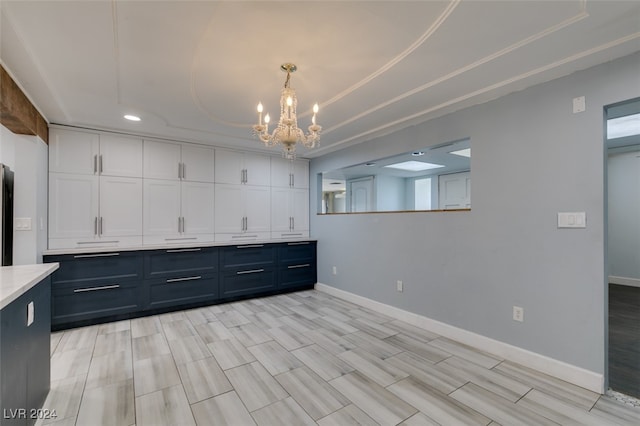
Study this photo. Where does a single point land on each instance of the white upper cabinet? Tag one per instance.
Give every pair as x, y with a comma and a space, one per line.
71, 151
86, 153
197, 163
120, 207
291, 174
197, 208
242, 212
161, 160
289, 213
165, 160
120, 156
73, 206
242, 168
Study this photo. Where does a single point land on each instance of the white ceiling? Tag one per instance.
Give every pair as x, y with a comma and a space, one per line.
194, 71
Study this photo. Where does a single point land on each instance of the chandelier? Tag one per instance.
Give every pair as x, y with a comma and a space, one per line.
287, 132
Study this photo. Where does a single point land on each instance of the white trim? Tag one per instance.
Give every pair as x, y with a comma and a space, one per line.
633, 282
570, 373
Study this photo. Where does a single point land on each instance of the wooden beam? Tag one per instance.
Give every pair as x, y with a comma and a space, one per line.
17, 113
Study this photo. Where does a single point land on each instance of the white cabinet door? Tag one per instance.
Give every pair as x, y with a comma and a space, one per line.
73, 206
161, 207
280, 172
161, 160
257, 169
120, 206
197, 164
257, 201
287, 173
300, 171
229, 167
280, 211
300, 209
120, 156
71, 151
229, 208
198, 208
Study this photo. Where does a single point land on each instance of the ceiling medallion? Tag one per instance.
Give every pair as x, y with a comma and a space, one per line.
287, 132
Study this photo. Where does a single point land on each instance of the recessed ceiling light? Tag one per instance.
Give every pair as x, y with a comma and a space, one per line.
132, 117
370, 164
462, 152
414, 166
417, 153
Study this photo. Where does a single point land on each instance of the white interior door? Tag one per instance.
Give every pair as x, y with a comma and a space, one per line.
454, 191
361, 195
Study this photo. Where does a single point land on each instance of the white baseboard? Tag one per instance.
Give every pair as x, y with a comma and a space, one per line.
633, 282
570, 373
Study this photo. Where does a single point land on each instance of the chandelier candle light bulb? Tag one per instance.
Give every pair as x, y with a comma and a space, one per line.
287, 132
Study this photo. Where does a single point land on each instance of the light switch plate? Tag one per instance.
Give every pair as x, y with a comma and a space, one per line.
572, 220
579, 104
22, 224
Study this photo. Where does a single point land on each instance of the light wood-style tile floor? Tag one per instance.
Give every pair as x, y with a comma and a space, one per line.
297, 359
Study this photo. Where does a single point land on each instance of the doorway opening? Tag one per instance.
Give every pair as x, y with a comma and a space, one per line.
623, 246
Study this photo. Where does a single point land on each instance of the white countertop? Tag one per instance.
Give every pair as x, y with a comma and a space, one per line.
17, 280
169, 246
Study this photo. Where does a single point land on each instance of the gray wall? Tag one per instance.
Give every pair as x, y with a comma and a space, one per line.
532, 157
390, 193
28, 158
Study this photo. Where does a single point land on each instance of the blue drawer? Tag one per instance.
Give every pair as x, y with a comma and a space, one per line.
246, 282
176, 263
171, 292
297, 275
95, 268
247, 255
297, 252
88, 301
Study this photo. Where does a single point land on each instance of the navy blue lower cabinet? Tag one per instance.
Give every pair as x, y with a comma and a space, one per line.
297, 275
179, 291
248, 255
91, 300
24, 356
248, 281
178, 262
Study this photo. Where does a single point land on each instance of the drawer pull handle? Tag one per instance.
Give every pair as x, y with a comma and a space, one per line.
250, 246
86, 256
306, 265
183, 250
293, 235
177, 280
105, 287
98, 242
251, 271
180, 239
299, 244
244, 236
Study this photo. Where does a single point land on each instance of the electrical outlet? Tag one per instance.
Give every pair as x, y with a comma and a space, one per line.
335, 270
399, 286
518, 314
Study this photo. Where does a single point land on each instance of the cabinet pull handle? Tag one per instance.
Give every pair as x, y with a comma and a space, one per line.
100, 168
183, 250
177, 280
100, 226
98, 242
104, 287
244, 236
86, 256
179, 170
95, 225
290, 234
246, 223
293, 223
95, 164
302, 243
181, 239
251, 271
184, 171
306, 265
250, 246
